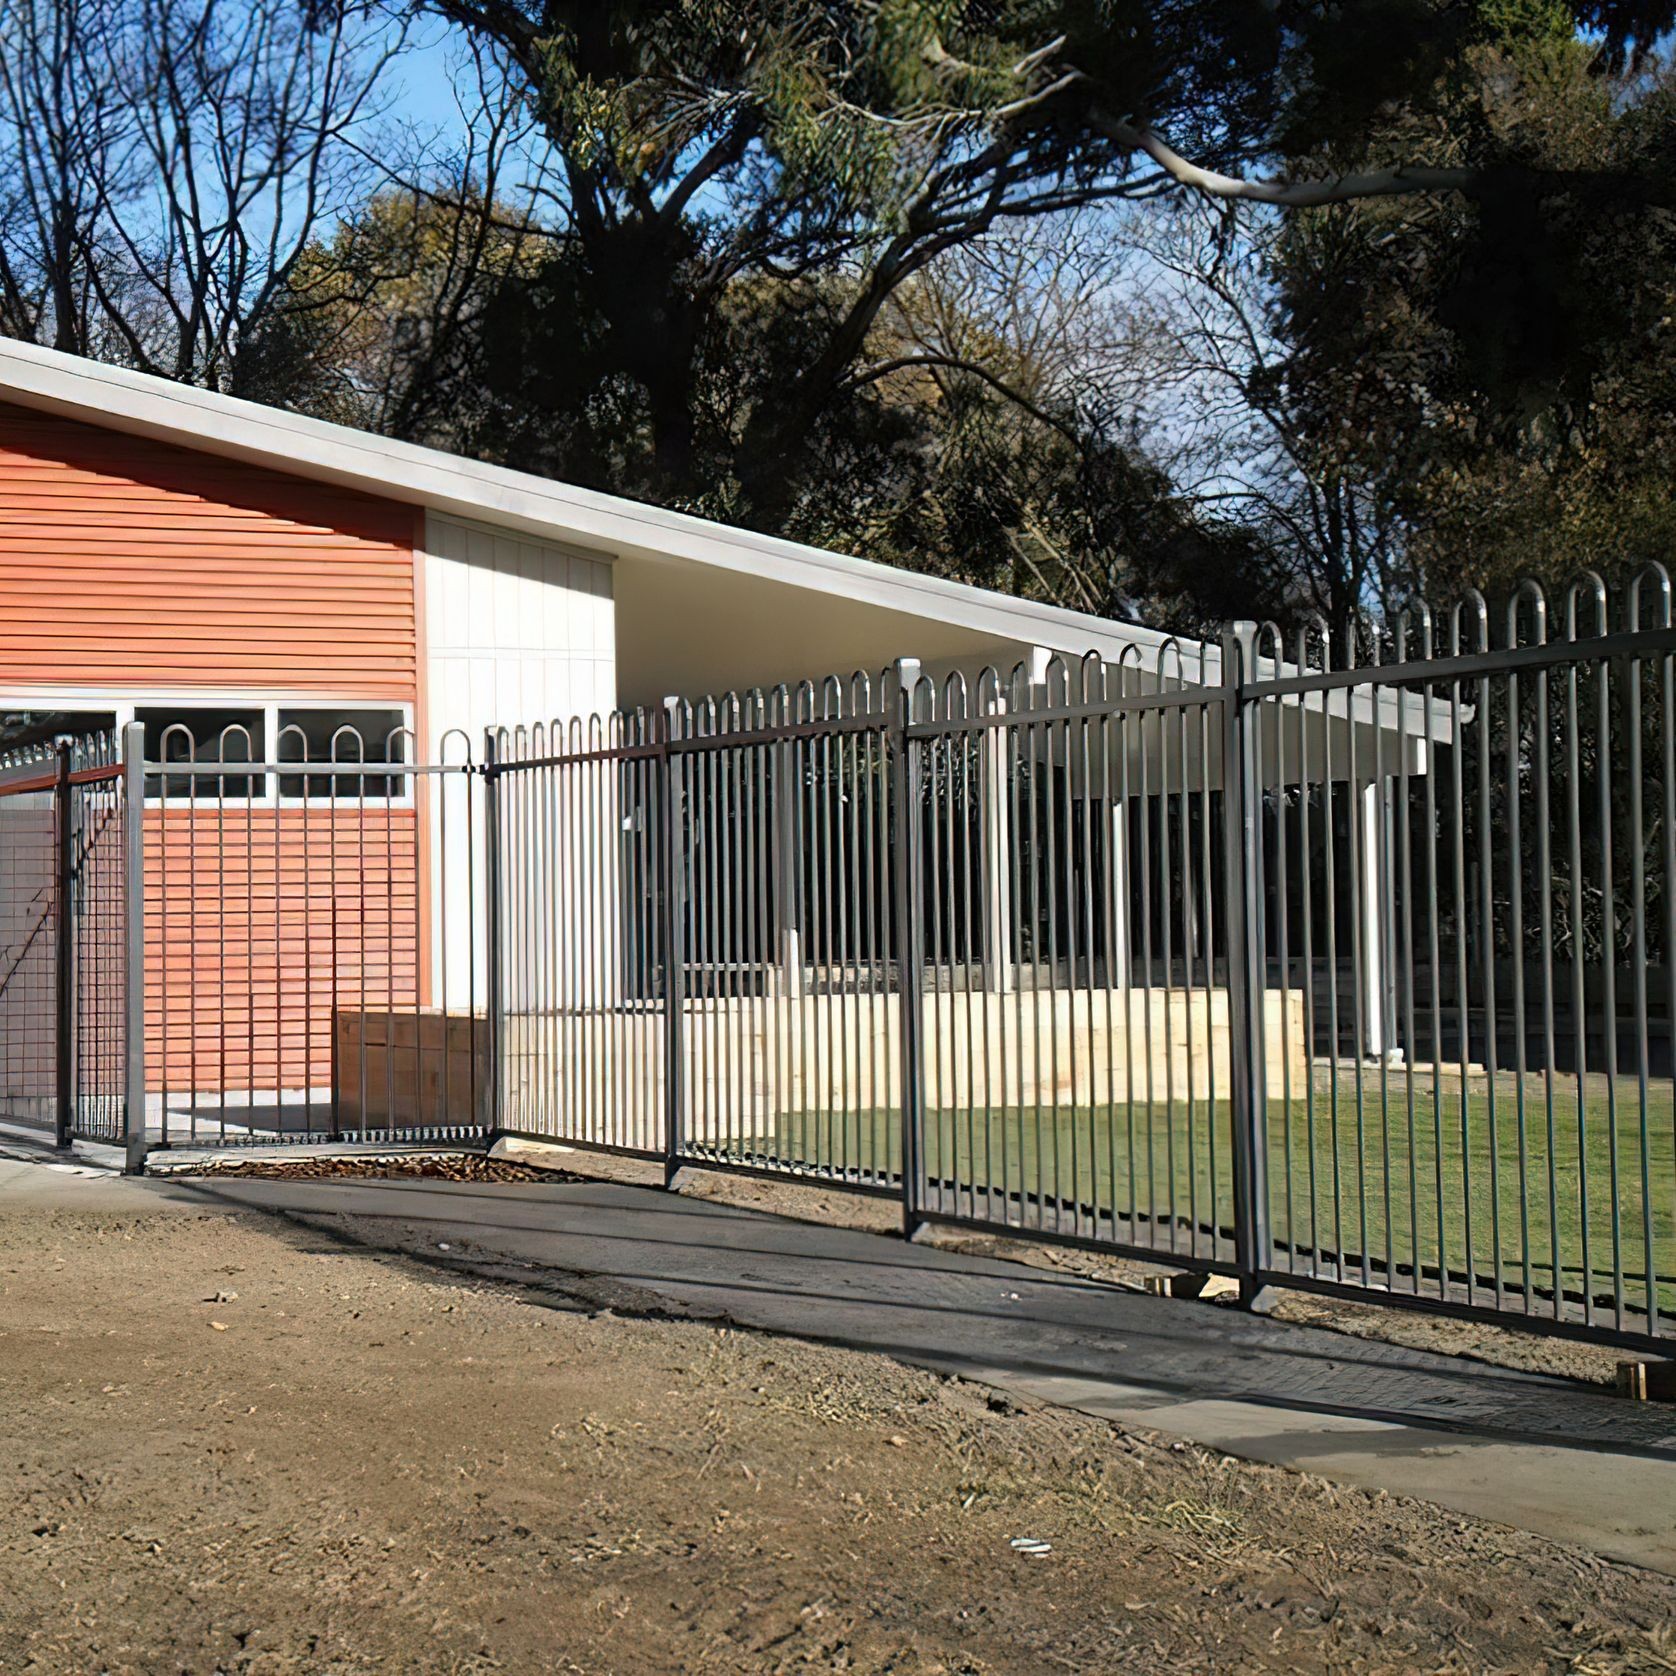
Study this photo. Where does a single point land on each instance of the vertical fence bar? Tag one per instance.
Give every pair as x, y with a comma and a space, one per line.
1241, 792
674, 1048
1306, 894
64, 951
910, 937
1667, 753
494, 899
133, 1070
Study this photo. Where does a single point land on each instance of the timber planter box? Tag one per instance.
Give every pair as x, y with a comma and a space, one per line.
410, 1067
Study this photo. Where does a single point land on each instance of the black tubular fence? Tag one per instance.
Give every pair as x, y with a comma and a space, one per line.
1347, 966
64, 991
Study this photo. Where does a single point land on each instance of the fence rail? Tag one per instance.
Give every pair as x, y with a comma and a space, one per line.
1344, 964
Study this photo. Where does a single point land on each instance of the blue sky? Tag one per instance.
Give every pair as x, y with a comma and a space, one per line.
425, 93
424, 89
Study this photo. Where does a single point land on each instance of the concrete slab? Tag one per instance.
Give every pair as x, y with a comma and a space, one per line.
34, 1173
1547, 1454
1617, 1505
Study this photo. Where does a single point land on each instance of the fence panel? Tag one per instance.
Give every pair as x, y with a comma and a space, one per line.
1468, 856
697, 959
301, 982
782, 881
1077, 1026
63, 951
580, 814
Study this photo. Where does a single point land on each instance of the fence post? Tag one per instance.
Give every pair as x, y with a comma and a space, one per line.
1242, 793
133, 833
494, 906
64, 951
674, 985
910, 938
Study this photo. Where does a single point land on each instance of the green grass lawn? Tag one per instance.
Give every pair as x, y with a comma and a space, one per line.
1402, 1171
1526, 1180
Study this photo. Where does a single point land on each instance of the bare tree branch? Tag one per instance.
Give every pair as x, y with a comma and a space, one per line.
1400, 180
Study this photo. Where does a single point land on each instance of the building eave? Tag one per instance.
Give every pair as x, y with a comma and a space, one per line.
610, 526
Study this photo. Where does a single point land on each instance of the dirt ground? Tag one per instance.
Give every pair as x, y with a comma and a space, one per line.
231, 1446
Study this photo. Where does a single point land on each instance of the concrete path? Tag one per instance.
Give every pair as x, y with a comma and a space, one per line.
35, 1175
1546, 1454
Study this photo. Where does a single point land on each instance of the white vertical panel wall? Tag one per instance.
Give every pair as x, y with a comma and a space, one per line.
516, 631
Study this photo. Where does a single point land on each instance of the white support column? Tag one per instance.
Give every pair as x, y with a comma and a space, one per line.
1117, 882
1373, 897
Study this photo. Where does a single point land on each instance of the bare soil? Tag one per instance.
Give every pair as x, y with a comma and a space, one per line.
230, 1445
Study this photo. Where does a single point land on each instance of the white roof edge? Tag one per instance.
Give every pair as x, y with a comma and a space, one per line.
118, 398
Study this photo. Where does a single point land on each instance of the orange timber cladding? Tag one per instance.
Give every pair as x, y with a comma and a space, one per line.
128, 566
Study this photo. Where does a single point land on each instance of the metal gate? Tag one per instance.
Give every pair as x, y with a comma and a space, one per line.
64, 940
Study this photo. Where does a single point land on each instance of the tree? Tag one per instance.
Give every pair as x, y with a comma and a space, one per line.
1513, 350
1307, 463
1017, 353
823, 158
1406, 397
819, 268
381, 321
163, 165
974, 436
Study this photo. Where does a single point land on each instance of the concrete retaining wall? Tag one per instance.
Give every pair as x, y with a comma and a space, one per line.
750, 1062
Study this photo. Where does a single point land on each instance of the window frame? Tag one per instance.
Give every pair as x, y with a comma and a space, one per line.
123, 703
303, 769
234, 770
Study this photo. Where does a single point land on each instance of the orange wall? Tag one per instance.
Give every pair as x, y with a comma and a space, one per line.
127, 562
259, 923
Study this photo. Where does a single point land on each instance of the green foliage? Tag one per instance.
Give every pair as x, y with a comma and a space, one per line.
1514, 23
755, 193
380, 325
1519, 341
